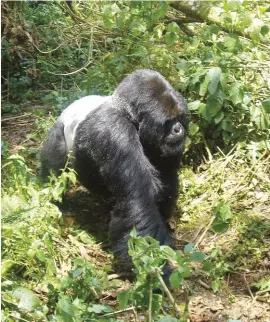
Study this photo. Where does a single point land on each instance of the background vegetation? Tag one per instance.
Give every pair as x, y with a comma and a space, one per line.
216, 53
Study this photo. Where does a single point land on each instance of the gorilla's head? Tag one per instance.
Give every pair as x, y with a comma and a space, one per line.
159, 112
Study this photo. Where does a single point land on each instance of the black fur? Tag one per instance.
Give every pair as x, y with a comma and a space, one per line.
130, 148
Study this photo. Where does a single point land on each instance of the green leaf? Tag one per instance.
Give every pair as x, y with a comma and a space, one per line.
214, 73
207, 267
168, 252
223, 209
173, 27
213, 105
123, 299
47, 240
193, 106
204, 85
137, 27
236, 93
193, 129
227, 126
107, 17
184, 270
176, 279
218, 117
158, 30
223, 80
98, 308
203, 110
72, 177
133, 233
65, 309
197, 257
263, 284
264, 30
162, 9
223, 214
41, 255
220, 227
216, 285
28, 300
170, 38
6, 264
77, 272
230, 43
189, 248
266, 105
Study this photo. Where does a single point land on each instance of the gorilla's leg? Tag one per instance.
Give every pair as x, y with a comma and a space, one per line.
53, 155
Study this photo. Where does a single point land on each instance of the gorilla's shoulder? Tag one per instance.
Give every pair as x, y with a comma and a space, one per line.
78, 110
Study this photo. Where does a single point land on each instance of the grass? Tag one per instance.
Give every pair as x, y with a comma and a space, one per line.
55, 265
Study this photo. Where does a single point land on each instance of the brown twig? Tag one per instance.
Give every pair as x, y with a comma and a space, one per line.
120, 311
249, 290
205, 231
203, 284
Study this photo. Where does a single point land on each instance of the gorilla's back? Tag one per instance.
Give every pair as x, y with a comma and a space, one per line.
76, 112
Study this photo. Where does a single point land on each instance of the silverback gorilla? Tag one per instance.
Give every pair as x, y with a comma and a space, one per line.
127, 146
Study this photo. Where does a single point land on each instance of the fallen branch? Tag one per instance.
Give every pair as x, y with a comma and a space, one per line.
205, 14
15, 117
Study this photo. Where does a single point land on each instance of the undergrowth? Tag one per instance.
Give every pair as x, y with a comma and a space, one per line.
51, 270
46, 268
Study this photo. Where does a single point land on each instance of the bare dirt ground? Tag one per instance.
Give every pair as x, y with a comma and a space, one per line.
234, 302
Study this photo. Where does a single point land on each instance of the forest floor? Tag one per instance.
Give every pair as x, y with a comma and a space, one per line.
236, 298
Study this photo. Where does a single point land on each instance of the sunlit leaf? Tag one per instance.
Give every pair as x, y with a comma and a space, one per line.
28, 300
193, 106
189, 248
214, 73
204, 85
193, 128
173, 27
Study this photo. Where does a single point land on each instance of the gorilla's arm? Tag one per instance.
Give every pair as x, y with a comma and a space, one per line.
127, 173
168, 197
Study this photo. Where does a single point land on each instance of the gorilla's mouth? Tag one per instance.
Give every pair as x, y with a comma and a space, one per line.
174, 139
173, 146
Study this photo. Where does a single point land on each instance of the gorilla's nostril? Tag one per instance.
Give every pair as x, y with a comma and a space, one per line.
177, 128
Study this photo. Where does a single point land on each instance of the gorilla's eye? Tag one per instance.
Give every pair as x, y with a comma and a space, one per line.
176, 128
173, 127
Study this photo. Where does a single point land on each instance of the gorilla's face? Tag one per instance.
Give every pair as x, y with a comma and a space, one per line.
164, 135
159, 112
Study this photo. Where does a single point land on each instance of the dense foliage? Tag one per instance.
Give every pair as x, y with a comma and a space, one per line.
54, 54
216, 53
